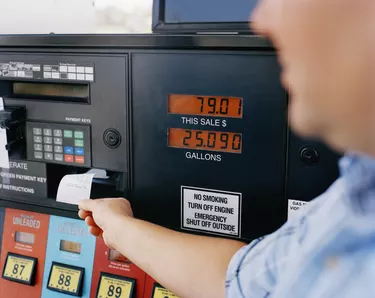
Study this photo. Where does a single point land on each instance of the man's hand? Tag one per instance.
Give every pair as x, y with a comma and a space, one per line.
104, 217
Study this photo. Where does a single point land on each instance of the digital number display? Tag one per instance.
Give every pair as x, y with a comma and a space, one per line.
66, 279
115, 256
231, 107
20, 269
69, 246
24, 238
160, 292
205, 140
112, 286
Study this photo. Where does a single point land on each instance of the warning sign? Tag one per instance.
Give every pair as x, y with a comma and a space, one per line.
294, 207
213, 211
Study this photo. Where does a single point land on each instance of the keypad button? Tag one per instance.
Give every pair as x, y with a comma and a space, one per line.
68, 158
80, 159
59, 157
37, 131
47, 132
38, 139
38, 155
68, 150
78, 143
48, 156
79, 151
47, 140
57, 133
58, 149
38, 147
48, 148
68, 134
57, 141
78, 134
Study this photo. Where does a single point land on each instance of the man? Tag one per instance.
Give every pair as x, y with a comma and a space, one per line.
327, 50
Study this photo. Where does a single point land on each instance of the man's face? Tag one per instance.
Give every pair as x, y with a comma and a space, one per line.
327, 52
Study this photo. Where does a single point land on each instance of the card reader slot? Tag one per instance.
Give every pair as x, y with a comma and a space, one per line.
46, 91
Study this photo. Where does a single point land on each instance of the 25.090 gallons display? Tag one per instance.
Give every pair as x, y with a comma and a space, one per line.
205, 140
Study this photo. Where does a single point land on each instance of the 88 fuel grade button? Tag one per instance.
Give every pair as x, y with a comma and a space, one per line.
114, 286
20, 269
66, 279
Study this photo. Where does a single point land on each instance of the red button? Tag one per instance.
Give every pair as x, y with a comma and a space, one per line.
80, 159
68, 158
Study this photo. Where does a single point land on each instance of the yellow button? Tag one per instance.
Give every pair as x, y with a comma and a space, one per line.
19, 268
65, 279
163, 293
115, 287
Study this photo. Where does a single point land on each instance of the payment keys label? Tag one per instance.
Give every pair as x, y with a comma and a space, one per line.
66, 279
115, 286
20, 269
160, 292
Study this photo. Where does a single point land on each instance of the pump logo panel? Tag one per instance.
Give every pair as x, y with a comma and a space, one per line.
115, 286
20, 269
66, 279
160, 292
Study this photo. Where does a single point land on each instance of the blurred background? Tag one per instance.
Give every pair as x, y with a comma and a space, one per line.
75, 16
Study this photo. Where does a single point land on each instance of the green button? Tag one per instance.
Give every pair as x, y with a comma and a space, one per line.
78, 143
78, 134
68, 134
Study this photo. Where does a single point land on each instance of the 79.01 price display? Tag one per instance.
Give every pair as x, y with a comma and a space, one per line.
216, 106
205, 140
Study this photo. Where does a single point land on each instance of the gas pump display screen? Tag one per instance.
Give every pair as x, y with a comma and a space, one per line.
217, 106
69, 246
115, 256
24, 238
205, 140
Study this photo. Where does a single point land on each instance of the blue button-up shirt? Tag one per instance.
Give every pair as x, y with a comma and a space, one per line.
328, 250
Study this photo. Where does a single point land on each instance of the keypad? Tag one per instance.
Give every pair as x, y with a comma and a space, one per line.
59, 143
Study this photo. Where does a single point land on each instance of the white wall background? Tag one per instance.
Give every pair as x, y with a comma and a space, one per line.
75, 16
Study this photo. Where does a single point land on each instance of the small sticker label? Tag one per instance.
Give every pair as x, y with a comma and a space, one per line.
294, 207
212, 211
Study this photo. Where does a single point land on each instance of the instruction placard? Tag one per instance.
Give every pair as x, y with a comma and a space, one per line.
294, 206
23, 178
212, 211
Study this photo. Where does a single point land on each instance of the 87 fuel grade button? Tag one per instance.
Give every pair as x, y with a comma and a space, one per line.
20, 269
66, 279
160, 292
114, 286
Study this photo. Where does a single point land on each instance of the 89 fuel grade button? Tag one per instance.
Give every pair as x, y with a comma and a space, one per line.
21, 269
160, 292
114, 286
66, 279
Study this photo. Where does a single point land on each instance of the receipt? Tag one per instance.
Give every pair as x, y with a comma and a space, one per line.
4, 156
74, 188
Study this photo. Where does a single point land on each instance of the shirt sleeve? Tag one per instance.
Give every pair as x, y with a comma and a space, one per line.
255, 270
252, 272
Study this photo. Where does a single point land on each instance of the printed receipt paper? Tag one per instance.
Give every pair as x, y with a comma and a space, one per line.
4, 156
74, 188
